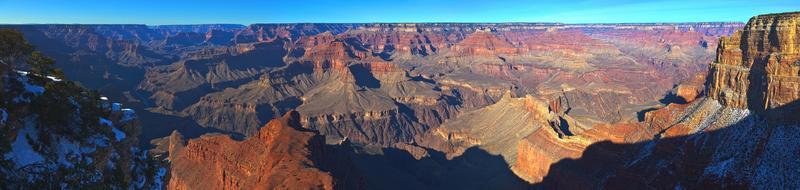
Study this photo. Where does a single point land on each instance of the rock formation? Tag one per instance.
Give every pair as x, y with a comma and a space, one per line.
757, 67
388, 83
738, 136
279, 156
443, 105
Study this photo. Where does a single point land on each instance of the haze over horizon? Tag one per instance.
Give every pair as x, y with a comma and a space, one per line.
409, 11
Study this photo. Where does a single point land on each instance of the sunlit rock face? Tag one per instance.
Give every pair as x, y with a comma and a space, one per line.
278, 157
757, 68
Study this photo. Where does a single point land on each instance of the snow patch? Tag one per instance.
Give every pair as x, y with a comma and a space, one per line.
118, 134
34, 89
111, 165
69, 152
54, 78
26, 73
100, 141
22, 153
116, 106
3, 116
104, 121
29, 88
719, 169
127, 115
140, 182
159, 178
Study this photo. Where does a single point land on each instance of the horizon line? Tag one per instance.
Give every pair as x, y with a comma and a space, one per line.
256, 23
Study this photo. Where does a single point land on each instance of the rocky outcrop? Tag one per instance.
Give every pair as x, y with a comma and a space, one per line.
484, 43
757, 67
498, 127
280, 156
167, 147
734, 138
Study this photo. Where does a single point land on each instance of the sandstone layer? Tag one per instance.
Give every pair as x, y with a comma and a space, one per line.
757, 67
278, 157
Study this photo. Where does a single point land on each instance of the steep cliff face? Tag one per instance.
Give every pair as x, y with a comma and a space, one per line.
757, 67
279, 156
740, 136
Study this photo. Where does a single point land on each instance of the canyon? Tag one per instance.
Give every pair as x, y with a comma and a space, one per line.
451, 105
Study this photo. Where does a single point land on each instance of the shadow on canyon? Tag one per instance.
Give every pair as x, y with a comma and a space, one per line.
159, 125
660, 162
391, 168
651, 164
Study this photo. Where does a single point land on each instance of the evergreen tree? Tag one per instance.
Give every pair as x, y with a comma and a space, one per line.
12, 45
43, 65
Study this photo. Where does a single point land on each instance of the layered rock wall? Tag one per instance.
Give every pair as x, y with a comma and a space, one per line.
758, 68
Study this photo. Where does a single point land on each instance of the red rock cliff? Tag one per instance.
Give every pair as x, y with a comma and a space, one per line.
758, 67
278, 157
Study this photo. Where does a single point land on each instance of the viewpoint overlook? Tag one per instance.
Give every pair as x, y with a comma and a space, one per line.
429, 105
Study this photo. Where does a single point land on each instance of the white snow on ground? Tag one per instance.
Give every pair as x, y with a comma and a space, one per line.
140, 182
54, 78
159, 178
778, 167
719, 169
116, 106
70, 152
25, 73
110, 164
127, 115
99, 140
3, 116
104, 121
22, 154
118, 134
33, 89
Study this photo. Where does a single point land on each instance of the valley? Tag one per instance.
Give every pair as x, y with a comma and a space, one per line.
451, 105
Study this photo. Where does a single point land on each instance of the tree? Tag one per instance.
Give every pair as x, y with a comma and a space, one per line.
43, 65
12, 45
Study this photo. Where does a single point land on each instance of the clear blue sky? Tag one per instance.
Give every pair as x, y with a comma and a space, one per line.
287, 11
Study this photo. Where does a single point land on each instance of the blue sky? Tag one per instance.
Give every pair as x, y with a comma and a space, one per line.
288, 11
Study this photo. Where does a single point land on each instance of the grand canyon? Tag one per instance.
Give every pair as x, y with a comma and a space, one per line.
695, 105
